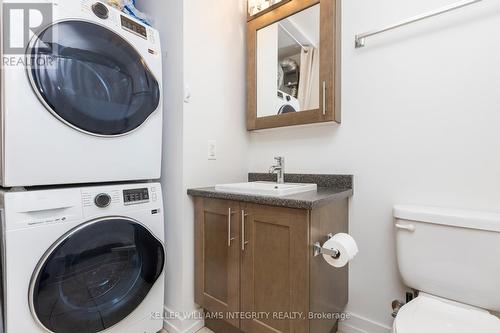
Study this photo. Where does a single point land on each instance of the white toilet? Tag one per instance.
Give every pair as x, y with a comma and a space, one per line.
452, 258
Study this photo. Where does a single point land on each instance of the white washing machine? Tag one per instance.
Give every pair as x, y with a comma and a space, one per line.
83, 260
85, 106
287, 103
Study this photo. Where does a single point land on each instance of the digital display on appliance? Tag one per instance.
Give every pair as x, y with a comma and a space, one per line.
134, 27
135, 196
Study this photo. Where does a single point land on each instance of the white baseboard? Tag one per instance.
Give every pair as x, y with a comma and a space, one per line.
358, 324
194, 323
183, 324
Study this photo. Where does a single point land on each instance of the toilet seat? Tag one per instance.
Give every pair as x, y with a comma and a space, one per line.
432, 314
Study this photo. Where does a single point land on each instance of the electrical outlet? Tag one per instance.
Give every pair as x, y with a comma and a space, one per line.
212, 150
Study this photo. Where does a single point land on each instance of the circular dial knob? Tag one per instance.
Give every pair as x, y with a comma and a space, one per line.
100, 10
102, 200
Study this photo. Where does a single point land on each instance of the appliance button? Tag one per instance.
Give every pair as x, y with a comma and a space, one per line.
102, 200
100, 10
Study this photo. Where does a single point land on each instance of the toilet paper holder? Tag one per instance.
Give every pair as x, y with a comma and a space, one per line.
319, 250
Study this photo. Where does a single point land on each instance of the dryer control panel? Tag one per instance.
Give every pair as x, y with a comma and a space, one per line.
134, 27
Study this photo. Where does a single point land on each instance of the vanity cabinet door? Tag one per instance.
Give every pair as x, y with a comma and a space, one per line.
217, 253
275, 269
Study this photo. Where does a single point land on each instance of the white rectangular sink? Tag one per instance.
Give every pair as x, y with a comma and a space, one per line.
266, 188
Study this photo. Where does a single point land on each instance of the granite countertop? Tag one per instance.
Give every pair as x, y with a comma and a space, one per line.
330, 188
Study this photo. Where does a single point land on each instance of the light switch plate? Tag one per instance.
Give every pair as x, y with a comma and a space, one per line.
212, 150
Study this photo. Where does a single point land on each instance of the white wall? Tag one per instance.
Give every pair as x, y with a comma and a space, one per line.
168, 19
420, 125
421, 118
205, 47
214, 71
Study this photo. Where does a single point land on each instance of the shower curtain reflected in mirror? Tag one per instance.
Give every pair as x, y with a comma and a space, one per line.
308, 94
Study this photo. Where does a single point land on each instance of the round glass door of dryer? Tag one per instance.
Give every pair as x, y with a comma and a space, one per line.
92, 79
96, 276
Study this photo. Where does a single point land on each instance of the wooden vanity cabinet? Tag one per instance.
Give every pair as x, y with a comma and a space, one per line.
254, 264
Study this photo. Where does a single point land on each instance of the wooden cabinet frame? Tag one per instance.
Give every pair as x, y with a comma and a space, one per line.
221, 213
273, 7
278, 254
329, 66
274, 270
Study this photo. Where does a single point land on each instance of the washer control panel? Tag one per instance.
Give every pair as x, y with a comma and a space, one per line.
135, 196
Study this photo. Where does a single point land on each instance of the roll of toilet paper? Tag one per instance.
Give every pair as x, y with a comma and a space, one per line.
347, 247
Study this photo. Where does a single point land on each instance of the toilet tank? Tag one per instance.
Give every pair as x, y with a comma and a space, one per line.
453, 254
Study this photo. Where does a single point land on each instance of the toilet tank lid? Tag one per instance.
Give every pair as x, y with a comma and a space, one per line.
447, 216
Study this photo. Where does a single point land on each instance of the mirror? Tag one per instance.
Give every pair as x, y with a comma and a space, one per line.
293, 53
288, 59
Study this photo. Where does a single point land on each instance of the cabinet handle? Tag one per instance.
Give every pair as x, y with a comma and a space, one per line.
243, 242
229, 238
324, 98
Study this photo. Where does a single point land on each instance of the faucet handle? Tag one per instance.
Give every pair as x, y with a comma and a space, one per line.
279, 159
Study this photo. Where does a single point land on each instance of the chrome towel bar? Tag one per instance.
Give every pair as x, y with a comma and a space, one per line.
361, 38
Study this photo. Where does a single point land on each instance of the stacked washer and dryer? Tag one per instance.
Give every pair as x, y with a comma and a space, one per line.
79, 257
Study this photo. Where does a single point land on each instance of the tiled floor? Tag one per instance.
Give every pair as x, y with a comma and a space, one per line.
203, 330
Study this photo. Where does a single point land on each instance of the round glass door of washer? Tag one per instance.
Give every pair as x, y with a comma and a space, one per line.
95, 276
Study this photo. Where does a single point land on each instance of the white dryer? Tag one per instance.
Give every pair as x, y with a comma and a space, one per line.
85, 106
83, 260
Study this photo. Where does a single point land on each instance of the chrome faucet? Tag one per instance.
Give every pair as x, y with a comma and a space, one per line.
279, 169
